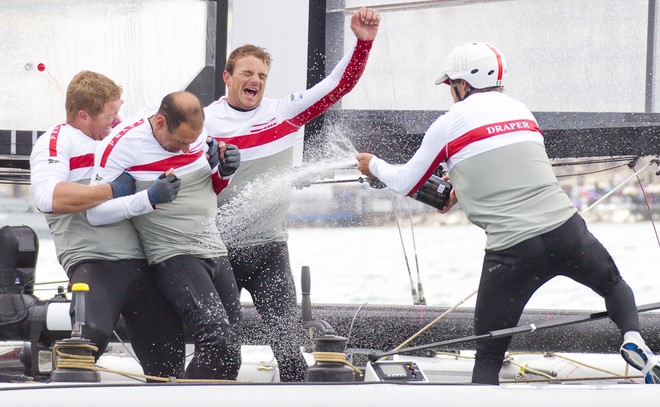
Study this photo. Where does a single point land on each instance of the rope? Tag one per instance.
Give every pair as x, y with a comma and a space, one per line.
586, 365
420, 289
524, 368
350, 328
52, 282
647, 200
435, 321
126, 348
66, 360
592, 172
598, 160
413, 291
572, 379
335, 357
613, 375
616, 188
453, 355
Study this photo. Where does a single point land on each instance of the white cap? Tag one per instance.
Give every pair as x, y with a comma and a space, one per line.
478, 63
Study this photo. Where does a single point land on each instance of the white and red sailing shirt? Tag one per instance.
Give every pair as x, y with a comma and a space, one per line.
265, 137
185, 226
65, 154
497, 163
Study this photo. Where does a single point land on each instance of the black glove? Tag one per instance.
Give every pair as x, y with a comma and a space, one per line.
213, 153
164, 189
123, 185
232, 160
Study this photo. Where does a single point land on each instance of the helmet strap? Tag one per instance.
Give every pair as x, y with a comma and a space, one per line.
468, 92
453, 85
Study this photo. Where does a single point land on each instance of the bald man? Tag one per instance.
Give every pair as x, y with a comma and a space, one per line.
180, 238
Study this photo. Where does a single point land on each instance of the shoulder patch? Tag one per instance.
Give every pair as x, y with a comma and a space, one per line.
296, 96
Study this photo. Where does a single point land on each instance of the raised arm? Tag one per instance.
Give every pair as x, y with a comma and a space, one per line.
364, 24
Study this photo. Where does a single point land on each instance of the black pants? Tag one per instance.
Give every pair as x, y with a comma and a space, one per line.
125, 287
509, 278
265, 272
204, 294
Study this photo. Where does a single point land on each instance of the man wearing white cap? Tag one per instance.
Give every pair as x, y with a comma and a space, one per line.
501, 174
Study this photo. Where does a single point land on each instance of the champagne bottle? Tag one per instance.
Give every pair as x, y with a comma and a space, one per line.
434, 192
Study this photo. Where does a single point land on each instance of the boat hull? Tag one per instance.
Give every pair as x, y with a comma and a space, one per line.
332, 394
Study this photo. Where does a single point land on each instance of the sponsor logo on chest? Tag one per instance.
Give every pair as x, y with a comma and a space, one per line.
259, 127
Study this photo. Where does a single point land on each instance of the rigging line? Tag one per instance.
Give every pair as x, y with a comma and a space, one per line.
57, 84
647, 201
44, 289
592, 172
405, 255
577, 362
420, 289
598, 160
575, 379
114, 332
350, 329
435, 321
52, 282
616, 188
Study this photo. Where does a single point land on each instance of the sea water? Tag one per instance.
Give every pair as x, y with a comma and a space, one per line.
368, 265
358, 265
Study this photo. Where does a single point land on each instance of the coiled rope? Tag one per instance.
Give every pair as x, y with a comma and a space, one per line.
67, 360
335, 357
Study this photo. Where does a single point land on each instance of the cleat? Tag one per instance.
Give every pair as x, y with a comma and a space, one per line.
641, 358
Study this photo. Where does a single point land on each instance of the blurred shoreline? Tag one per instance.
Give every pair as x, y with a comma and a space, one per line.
341, 198
353, 204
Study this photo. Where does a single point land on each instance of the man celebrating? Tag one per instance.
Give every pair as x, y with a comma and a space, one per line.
180, 238
108, 259
265, 132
